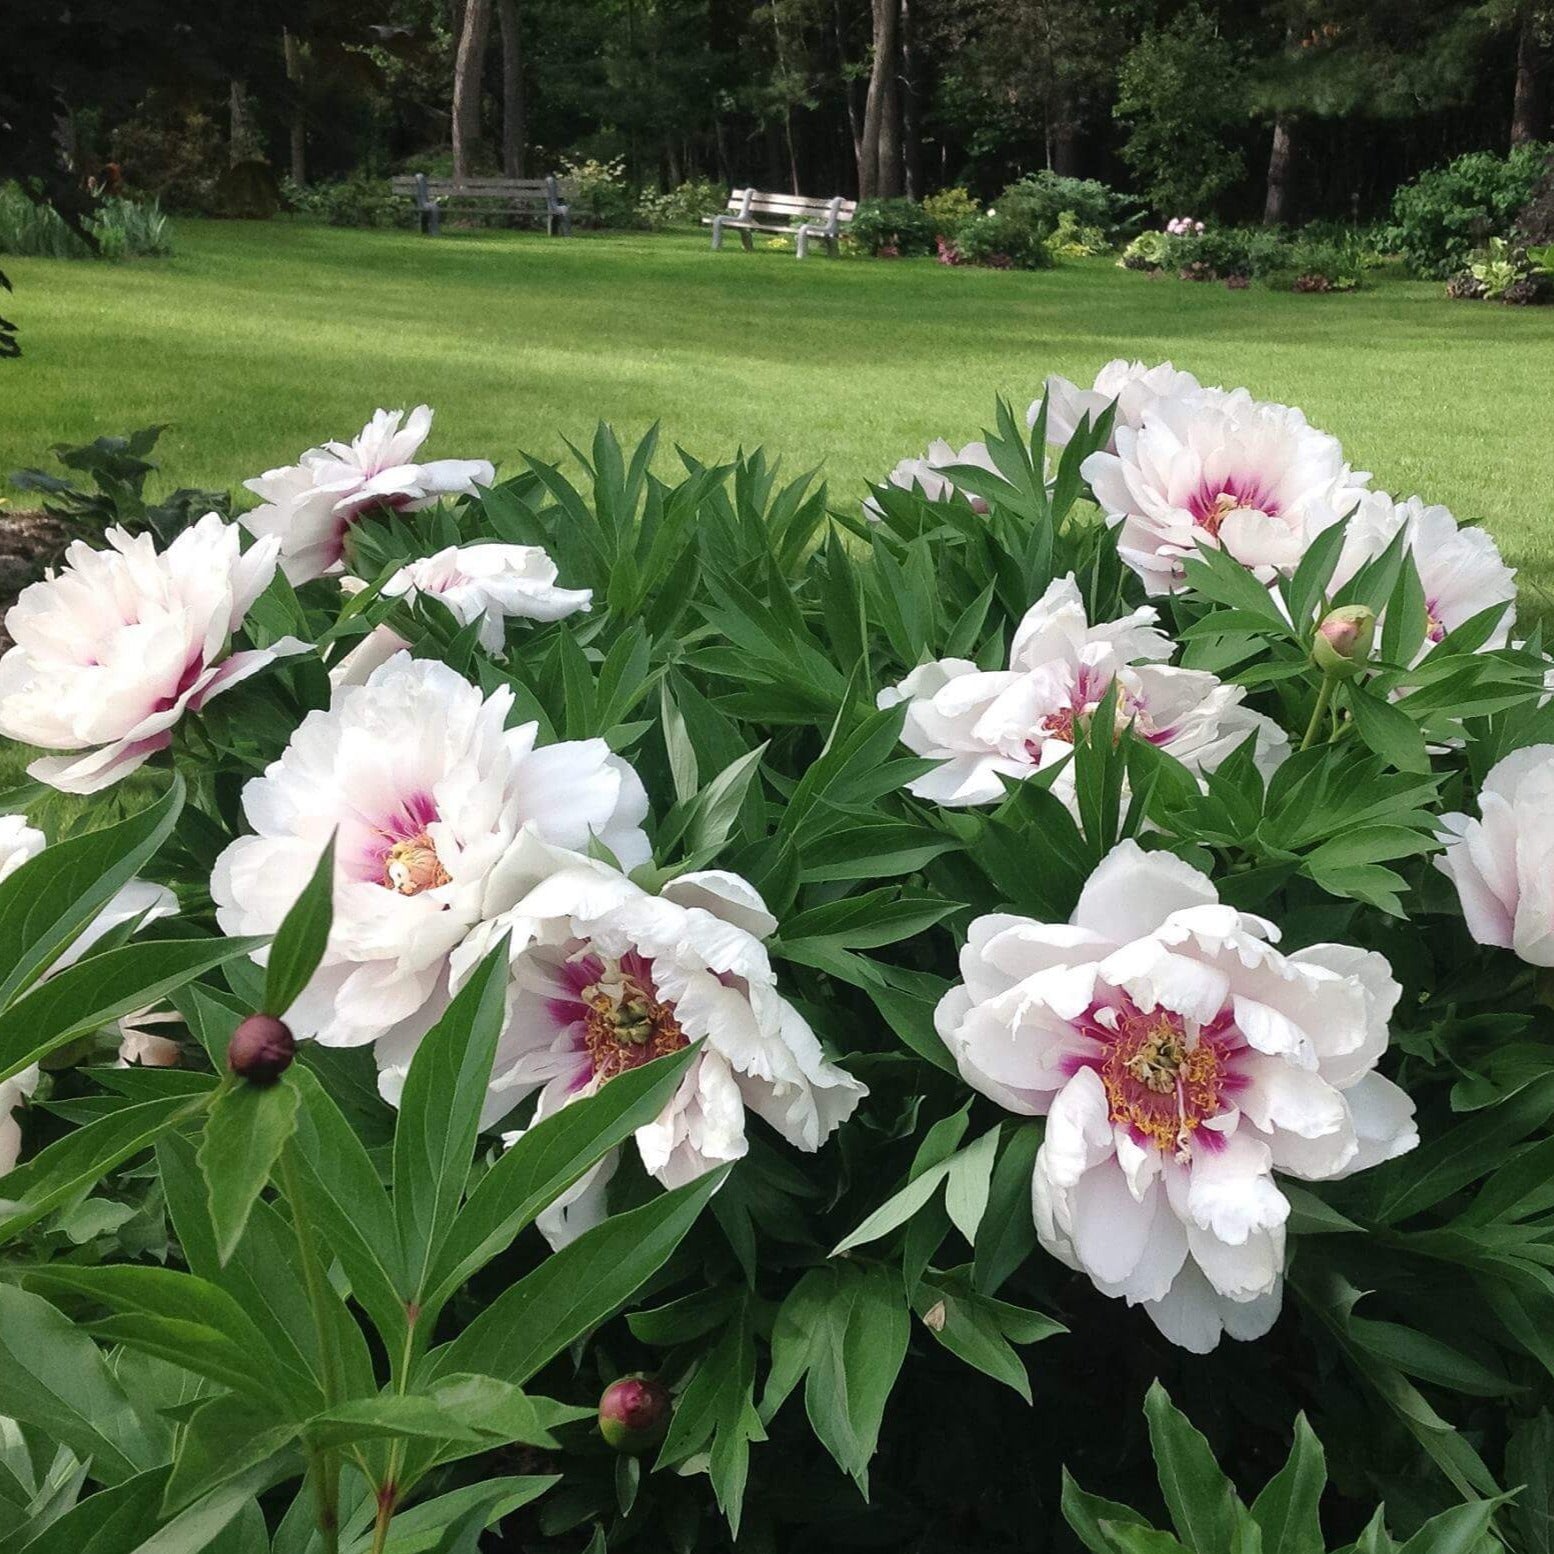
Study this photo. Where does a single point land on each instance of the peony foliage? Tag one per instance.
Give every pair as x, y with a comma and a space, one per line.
649, 938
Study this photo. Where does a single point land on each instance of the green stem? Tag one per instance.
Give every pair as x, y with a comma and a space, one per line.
1324, 696
326, 1475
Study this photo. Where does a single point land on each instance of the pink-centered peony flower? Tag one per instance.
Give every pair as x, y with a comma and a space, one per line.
1255, 480
1459, 565
136, 901
606, 977
927, 474
489, 583
1180, 1061
426, 791
1134, 386
985, 725
1503, 862
115, 648
308, 506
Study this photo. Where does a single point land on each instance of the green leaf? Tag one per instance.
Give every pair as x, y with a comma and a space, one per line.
1130, 1539
347, 1201
978, 1328
866, 922
1092, 1517
1201, 1499
544, 1162
1288, 1509
1391, 733
1007, 1234
299, 941
53, 1377
439, 1115
50, 899
417, 1529
1529, 1463
896, 1210
187, 1321
247, 1128
1457, 1531
225, 1436
570, 1293
969, 1182
55, 1175
98, 990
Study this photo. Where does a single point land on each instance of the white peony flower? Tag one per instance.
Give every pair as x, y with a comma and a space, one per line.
1503, 863
489, 583
135, 900
115, 648
606, 977
1133, 385
1459, 566
308, 506
926, 474
1180, 1060
985, 725
426, 791
1252, 479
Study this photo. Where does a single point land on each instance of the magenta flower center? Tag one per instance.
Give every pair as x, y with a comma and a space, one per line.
1163, 1081
400, 854
1214, 501
623, 1021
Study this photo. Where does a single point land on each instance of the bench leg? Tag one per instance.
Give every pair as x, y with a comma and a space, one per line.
717, 233
747, 240
801, 243
833, 248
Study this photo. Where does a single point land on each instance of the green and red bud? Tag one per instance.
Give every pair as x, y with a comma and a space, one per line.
634, 1414
1342, 644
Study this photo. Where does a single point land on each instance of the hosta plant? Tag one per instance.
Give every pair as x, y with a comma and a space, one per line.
650, 1005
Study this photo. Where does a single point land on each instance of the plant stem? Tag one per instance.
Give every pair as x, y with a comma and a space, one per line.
1324, 696
326, 1477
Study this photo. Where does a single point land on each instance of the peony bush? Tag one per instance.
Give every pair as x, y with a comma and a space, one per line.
541, 968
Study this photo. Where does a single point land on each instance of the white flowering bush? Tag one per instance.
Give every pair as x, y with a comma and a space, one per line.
542, 968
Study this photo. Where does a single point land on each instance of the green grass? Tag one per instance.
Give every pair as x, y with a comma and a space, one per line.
257, 340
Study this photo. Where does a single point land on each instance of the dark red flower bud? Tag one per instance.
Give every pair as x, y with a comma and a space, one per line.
262, 1049
634, 1414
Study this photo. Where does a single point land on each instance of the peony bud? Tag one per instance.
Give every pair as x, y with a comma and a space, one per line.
262, 1049
634, 1414
1343, 640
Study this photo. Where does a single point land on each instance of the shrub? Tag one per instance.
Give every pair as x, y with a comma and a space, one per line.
894, 228
598, 192
351, 202
1002, 243
1444, 214
684, 206
172, 152
124, 229
1070, 240
1150, 250
1040, 200
550, 996
950, 209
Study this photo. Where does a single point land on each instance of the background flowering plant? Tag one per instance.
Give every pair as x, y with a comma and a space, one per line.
874, 947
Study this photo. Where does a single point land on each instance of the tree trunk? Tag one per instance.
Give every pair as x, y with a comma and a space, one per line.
911, 108
1281, 161
514, 107
1529, 108
240, 147
468, 70
850, 96
879, 162
299, 112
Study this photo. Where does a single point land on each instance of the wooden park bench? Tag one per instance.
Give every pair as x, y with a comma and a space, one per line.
794, 215
485, 196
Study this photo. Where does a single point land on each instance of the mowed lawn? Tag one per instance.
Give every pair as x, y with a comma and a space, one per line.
259, 339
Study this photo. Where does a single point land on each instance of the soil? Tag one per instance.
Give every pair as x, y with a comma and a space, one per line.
30, 542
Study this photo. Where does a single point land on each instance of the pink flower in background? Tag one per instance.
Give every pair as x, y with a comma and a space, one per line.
308, 506
1502, 863
925, 474
115, 648
1179, 1060
985, 725
489, 583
